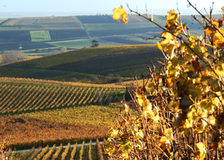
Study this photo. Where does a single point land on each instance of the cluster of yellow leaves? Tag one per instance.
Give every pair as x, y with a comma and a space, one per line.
120, 12
194, 88
200, 118
147, 107
167, 138
127, 137
201, 151
216, 33
168, 44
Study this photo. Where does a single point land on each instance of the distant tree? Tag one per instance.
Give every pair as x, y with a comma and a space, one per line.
95, 43
12, 56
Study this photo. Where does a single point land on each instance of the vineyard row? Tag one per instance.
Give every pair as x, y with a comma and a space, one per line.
91, 151
27, 97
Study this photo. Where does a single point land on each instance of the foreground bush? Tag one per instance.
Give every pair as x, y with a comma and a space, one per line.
180, 108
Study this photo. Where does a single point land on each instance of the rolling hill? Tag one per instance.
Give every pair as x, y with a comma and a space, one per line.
75, 32
98, 65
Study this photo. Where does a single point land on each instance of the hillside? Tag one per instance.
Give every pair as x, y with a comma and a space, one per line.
55, 111
99, 65
26, 95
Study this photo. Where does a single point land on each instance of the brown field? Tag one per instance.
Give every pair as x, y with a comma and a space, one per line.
17, 130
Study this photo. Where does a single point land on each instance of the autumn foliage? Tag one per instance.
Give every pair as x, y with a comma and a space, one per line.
180, 108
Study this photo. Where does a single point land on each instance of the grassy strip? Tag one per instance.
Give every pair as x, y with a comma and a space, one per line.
40, 36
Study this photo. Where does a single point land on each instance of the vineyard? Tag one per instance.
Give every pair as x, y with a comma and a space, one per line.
19, 97
91, 150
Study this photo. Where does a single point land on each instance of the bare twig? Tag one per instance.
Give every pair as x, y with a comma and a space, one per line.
204, 17
181, 38
147, 18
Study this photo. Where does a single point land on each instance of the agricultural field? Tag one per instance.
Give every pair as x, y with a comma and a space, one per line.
99, 65
55, 112
86, 150
27, 97
61, 31
57, 126
40, 36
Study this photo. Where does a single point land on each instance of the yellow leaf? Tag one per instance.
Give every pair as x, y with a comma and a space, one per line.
114, 133
142, 100
156, 118
208, 31
212, 120
124, 19
159, 46
215, 23
192, 39
172, 16
167, 38
218, 39
188, 123
201, 153
118, 12
163, 140
140, 134
165, 143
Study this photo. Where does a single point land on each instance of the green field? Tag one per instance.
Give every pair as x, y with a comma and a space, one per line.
40, 36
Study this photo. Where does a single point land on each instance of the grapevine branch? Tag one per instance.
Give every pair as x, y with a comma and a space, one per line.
206, 62
204, 17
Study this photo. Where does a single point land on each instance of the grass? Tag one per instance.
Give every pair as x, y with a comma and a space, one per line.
40, 36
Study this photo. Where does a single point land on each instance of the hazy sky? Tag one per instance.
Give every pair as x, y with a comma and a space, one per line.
100, 6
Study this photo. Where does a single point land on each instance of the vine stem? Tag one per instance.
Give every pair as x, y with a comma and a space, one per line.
206, 62
204, 17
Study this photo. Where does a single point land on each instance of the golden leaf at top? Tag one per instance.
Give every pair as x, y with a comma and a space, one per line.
118, 12
171, 17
